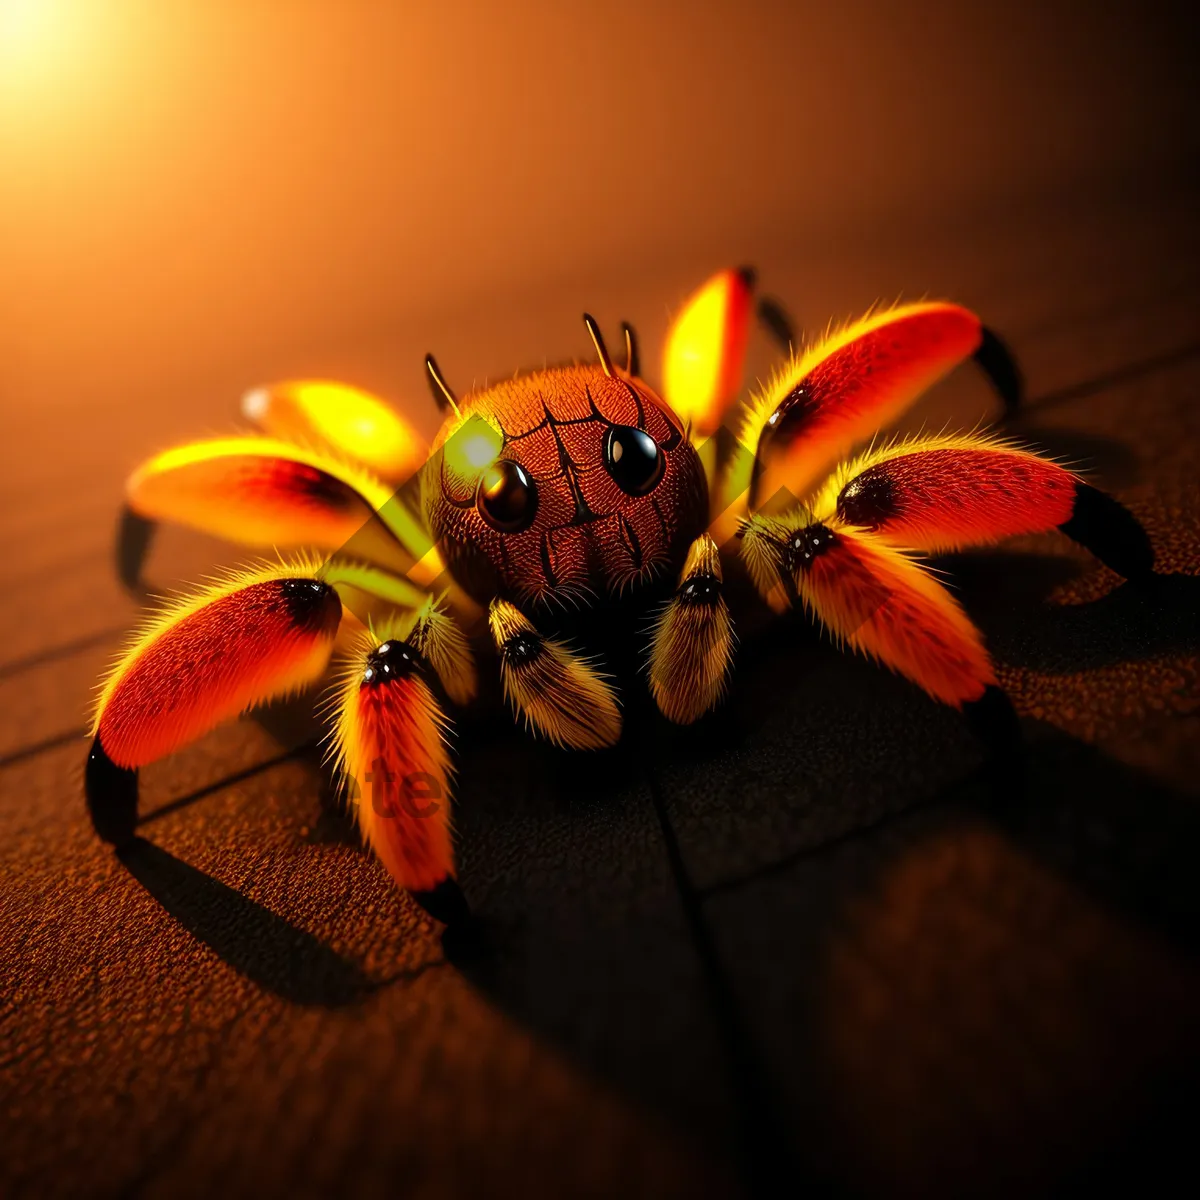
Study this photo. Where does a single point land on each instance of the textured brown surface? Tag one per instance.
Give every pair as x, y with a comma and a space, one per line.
805, 932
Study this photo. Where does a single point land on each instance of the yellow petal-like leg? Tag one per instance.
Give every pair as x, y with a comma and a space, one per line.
262, 491
705, 351
353, 424
561, 695
205, 658
692, 644
389, 748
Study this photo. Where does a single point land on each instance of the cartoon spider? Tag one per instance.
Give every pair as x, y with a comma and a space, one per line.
572, 486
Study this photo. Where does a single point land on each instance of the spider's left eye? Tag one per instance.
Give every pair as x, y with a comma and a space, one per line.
633, 459
507, 497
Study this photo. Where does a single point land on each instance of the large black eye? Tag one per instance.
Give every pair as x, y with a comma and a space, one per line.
507, 496
633, 459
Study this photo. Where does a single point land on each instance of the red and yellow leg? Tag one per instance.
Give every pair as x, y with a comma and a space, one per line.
846, 387
692, 644
560, 694
263, 491
389, 747
255, 636
951, 491
878, 601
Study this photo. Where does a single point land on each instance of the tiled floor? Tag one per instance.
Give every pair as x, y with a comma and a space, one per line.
803, 937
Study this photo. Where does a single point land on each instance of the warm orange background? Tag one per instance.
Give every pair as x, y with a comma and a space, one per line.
197, 193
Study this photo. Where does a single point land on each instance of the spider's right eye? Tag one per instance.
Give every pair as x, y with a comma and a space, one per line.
634, 460
507, 497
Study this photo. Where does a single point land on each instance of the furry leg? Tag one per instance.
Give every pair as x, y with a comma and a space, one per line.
561, 695
693, 640
389, 748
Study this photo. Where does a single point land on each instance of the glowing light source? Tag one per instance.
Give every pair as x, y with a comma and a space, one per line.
35, 36
473, 447
24, 24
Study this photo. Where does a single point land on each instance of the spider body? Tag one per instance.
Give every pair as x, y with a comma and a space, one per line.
562, 489
607, 492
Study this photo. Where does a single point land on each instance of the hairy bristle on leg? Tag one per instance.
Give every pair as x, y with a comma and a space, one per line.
560, 693
948, 491
838, 392
874, 599
437, 637
212, 655
692, 642
389, 749
200, 660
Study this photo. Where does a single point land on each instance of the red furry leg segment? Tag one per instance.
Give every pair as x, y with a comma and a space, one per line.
882, 603
201, 660
693, 640
561, 695
951, 491
842, 389
389, 747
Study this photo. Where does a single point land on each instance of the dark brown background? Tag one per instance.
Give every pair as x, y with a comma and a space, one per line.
805, 935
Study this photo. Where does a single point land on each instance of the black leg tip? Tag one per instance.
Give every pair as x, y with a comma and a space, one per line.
134, 535
774, 319
996, 361
445, 903
112, 796
1111, 532
994, 722
466, 944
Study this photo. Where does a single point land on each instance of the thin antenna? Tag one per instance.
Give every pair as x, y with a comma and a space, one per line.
633, 360
443, 397
598, 342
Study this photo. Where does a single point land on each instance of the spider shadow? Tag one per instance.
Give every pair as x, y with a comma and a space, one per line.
1110, 828
254, 941
919, 938
1113, 833
280, 957
1133, 622
588, 953
585, 946
1107, 462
